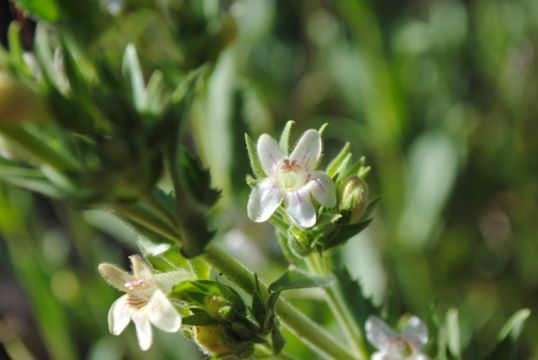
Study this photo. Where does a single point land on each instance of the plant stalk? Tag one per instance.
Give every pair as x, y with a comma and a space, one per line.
339, 309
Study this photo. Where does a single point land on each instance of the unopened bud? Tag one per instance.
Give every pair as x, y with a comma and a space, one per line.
19, 103
354, 198
215, 340
217, 306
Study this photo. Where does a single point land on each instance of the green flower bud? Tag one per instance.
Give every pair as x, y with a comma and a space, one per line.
215, 340
217, 307
354, 198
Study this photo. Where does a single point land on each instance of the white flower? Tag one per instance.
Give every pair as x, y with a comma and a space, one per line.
392, 346
145, 302
291, 179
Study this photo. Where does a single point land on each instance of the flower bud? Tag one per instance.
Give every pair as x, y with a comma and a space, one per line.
215, 340
217, 307
354, 198
19, 103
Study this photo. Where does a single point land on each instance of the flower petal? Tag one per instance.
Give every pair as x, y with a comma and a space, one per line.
141, 269
308, 149
162, 313
378, 333
416, 331
381, 355
115, 276
420, 356
119, 315
300, 209
322, 188
269, 153
263, 201
143, 329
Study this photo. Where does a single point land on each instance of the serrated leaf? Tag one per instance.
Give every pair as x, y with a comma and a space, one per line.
254, 159
284, 142
360, 306
294, 278
197, 180
334, 165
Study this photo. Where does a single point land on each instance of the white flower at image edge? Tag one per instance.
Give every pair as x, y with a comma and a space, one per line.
291, 179
144, 302
393, 346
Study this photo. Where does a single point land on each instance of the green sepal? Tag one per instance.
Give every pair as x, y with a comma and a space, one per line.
199, 317
284, 142
233, 297
253, 158
342, 234
334, 165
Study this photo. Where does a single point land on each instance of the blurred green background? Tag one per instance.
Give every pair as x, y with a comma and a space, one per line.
440, 96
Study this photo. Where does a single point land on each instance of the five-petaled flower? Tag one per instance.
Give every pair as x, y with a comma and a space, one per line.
144, 303
392, 346
291, 179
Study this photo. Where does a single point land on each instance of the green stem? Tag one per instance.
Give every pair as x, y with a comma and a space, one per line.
339, 308
305, 329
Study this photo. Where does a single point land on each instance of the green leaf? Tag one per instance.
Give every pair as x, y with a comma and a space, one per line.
133, 73
294, 278
284, 142
259, 310
199, 317
254, 159
509, 335
360, 306
334, 165
197, 180
343, 234
195, 291
233, 297
277, 340
453, 332
43, 9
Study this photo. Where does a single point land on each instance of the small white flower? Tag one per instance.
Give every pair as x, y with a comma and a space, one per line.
291, 179
145, 302
392, 346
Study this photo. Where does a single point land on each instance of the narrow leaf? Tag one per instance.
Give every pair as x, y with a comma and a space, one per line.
133, 73
334, 165
294, 278
253, 157
284, 142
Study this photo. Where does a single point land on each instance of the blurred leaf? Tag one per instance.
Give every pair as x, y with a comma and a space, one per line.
294, 278
44, 9
509, 335
133, 73
453, 333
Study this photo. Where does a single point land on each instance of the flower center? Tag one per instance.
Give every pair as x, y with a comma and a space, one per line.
138, 284
290, 175
402, 347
